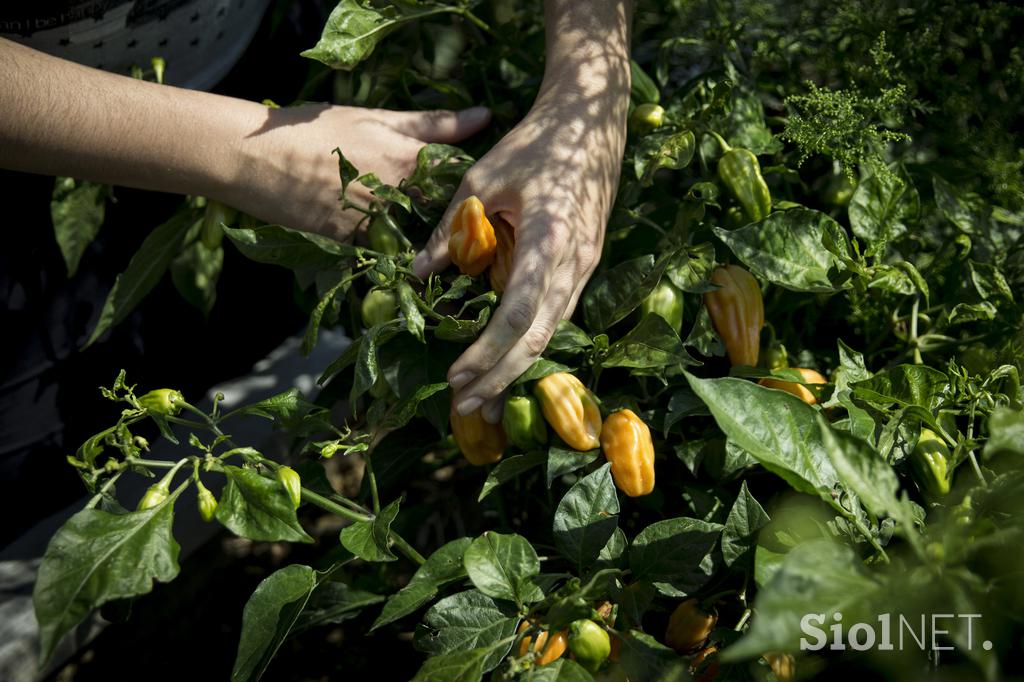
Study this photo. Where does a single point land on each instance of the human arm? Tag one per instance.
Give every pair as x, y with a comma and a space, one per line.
554, 178
61, 118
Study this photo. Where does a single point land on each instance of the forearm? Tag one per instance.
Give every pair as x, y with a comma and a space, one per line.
588, 47
61, 118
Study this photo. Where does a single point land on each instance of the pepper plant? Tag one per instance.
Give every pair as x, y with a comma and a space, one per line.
808, 307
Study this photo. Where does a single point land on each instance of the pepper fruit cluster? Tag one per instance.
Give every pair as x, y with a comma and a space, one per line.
548, 647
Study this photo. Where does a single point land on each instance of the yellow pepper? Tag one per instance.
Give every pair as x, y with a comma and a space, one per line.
799, 390
501, 269
571, 410
480, 441
689, 626
472, 244
627, 444
547, 648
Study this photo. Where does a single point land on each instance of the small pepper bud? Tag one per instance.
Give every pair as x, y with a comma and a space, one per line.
206, 501
164, 401
379, 306
292, 483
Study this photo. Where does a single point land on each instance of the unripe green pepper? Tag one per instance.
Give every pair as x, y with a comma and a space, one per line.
378, 307
206, 501
930, 461
216, 214
382, 238
589, 643
154, 495
775, 357
666, 300
165, 401
642, 87
741, 173
646, 117
292, 483
523, 422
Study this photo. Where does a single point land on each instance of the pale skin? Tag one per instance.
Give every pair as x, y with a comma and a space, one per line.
553, 177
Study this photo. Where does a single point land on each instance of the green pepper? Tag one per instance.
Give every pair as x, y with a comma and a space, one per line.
378, 307
523, 422
292, 483
154, 496
666, 300
642, 87
216, 215
382, 237
165, 401
646, 118
739, 170
930, 461
206, 501
589, 643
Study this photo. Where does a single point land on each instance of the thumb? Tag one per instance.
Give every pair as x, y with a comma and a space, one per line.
441, 125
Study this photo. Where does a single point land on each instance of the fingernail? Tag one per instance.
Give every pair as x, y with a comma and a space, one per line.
469, 405
460, 380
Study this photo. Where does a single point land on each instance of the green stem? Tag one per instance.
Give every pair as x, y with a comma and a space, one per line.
154, 463
721, 141
743, 620
332, 506
103, 491
918, 360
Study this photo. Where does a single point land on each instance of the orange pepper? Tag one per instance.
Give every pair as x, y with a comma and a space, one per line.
472, 244
549, 648
502, 266
571, 410
480, 441
799, 390
737, 313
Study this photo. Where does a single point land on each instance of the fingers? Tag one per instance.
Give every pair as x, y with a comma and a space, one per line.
526, 348
440, 125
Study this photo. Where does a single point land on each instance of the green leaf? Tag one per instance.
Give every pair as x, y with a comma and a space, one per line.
673, 150
405, 409
562, 461
674, 554
464, 621
903, 385
691, 268
351, 33
510, 468
285, 409
445, 565
644, 658
439, 170
651, 344
561, 670
268, 617
276, 245
541, 368
816, 577
615, 293
258, 508
369, 540
97, 557
195, 273
1006, 433
881, 208
408, 301
787, 248
586, 518
315, 317
503, 566
144, 270
458, 666
568, 338
862, 470
334, 602
77, 211
778, 429
745, 519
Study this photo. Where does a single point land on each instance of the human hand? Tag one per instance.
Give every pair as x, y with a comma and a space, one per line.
288, 174
553, 178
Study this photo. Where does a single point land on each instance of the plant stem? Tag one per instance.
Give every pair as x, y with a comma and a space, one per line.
154, 463
332, 506
743, 619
